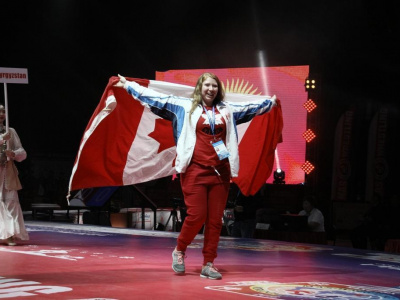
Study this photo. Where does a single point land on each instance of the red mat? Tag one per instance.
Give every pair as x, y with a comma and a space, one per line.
67, 261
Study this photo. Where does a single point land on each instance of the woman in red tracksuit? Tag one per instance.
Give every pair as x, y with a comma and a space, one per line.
207, 156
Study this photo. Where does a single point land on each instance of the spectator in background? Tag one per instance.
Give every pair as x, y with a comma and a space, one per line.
315, 216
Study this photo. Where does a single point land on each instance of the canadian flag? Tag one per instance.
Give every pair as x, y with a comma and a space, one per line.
124, 143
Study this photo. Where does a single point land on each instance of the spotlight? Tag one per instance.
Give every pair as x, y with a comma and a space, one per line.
279, 176
310, 84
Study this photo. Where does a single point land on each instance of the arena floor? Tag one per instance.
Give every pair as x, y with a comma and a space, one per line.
75, 261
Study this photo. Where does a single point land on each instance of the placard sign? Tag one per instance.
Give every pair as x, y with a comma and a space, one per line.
13, 75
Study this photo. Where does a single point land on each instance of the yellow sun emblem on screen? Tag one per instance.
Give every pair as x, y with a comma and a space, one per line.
239, 87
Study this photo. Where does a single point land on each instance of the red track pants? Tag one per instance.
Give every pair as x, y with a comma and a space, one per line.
205, 193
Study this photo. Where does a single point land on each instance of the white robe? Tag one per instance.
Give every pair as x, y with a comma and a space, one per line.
11, 216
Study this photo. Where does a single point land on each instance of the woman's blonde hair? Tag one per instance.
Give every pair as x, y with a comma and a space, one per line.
197, 99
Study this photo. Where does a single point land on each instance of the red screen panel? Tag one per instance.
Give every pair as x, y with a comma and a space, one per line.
287, 83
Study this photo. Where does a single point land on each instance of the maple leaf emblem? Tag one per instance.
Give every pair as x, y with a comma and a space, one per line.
163, 134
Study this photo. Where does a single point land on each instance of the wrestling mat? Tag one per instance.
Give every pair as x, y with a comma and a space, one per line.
72, 261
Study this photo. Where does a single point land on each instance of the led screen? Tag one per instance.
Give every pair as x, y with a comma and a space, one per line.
287, 83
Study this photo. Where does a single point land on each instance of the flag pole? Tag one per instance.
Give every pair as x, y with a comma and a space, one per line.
6, 105
6, 109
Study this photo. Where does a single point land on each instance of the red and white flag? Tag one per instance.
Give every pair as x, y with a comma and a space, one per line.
124, 143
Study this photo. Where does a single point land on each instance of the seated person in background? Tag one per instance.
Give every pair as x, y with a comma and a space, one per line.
315, 216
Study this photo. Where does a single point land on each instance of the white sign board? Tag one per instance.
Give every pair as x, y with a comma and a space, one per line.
13, 75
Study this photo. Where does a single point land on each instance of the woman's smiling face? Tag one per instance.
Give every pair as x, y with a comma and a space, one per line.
209, 91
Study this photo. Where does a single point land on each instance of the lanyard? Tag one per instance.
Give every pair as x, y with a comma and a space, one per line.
211, 121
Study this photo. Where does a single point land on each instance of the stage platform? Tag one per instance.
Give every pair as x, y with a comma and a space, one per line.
71, 261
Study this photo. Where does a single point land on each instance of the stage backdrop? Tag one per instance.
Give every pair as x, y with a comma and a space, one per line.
287, 83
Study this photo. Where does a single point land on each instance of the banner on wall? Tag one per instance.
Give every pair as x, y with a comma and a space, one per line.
377, 165
341, 157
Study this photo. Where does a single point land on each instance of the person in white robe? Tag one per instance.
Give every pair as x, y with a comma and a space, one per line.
12, 226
